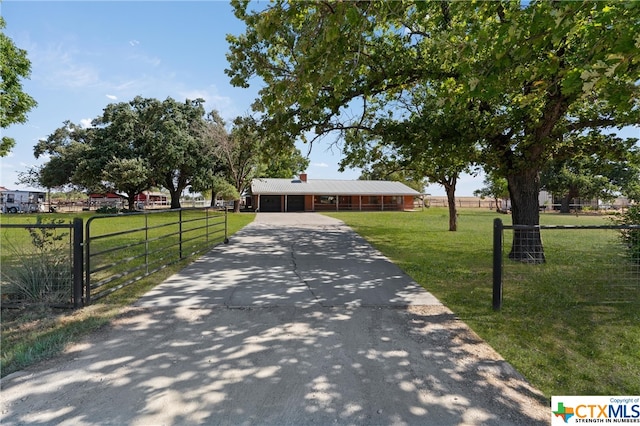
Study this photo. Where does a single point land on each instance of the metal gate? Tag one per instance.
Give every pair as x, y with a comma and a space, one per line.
116, 257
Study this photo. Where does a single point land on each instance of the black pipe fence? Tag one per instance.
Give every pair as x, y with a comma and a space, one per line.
608, 271
107, 253
150, 241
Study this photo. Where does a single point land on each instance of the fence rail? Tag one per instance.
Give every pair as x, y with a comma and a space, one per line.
153, 240
607, 270
106, 255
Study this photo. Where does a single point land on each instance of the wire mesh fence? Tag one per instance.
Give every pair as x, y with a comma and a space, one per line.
40, 264
578, 264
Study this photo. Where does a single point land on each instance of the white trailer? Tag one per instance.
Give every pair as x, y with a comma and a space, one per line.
22, 201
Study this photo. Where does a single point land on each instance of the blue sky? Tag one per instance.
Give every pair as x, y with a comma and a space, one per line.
85, 55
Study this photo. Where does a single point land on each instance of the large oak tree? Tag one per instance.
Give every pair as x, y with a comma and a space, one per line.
131, 147
535, 73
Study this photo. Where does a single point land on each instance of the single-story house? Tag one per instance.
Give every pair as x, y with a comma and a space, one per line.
308, 195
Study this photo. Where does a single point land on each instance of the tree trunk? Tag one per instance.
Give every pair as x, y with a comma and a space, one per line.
175, 198
524, 190
175, 187
451, 200
565, 206
236, 206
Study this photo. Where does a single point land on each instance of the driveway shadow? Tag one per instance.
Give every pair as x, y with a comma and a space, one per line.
295, 326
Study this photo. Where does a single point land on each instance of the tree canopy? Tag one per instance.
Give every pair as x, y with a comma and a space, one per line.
131, 147
495, 187
14, 102
529, 74
604, 175
244, 154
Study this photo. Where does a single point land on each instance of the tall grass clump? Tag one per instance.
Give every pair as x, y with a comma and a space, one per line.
41, 271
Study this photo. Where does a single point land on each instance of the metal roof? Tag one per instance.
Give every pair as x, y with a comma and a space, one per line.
329, 187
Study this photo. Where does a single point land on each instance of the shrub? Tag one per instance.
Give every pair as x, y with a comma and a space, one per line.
42, 271
107, 210
631, 237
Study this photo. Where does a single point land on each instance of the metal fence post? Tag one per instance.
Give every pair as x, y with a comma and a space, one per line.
497, 263
78, 262
146, 242
206, 218
180, 231
226, 227
87, 266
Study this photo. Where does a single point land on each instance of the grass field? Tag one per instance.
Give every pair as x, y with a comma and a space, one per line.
556, 325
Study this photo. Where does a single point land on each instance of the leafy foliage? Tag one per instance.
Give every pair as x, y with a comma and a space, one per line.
494, 187
394, 172
130, 175
521, 77
14, 102
244, 155
614, 169
107, 210
131, 147
66, 147
631, 237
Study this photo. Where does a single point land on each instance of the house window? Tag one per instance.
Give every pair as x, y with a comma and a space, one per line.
324, 199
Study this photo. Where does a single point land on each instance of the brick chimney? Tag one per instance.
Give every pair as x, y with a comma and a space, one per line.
303, 177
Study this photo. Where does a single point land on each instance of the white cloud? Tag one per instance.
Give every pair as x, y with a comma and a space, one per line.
126, 85
58, 66
112, 97
85, 123
319, 165
154, 61
213, 100
134, 42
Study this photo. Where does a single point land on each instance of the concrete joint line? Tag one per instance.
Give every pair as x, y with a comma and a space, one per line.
297, 273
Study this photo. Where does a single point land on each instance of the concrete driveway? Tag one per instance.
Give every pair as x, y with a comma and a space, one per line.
297, 321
